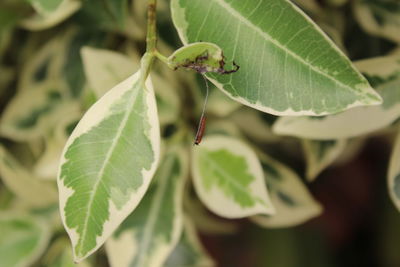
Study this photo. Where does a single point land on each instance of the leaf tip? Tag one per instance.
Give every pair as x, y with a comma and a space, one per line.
371, 97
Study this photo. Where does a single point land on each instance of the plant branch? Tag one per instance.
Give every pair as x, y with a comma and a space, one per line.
151, 38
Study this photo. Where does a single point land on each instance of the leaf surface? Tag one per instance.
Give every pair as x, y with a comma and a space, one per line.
320, 154
45, 6
291, 198
23, 184
22, 239
384, 75
287, 65
149, 234
45, 20
106, 68
189, 252
394, 173
108, 163
380, 18
228, 178
43, 105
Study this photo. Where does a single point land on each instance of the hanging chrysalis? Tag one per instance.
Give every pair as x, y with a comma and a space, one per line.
202, 124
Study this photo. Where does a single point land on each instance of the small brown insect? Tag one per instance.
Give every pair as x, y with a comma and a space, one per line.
200, 130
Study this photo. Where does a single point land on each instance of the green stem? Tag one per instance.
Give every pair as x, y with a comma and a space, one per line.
161, 57
151, 40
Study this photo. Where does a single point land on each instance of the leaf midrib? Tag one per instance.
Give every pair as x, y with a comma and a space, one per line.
266, 36
132, 101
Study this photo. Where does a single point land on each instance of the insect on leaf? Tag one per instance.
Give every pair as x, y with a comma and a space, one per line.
288, 66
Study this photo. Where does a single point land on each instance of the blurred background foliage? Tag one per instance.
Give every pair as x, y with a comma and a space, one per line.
51, 55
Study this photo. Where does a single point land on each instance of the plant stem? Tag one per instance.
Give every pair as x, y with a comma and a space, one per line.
161, 57
151, 40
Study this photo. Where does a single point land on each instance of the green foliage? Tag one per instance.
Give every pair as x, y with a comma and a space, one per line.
86, 111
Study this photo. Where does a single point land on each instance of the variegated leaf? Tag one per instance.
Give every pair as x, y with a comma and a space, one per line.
60, 255
288, 66
204, 221
45, 6
46, 167
293, 203
150, 233
189, 251
23, 184
23, 239
43, 107
108, 163
384, 75
379, 17
45, 20
394, 173
105, 68
228, 178
320, 154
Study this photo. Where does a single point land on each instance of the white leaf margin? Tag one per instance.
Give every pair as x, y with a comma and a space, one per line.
217, 201
126, 241
394, 170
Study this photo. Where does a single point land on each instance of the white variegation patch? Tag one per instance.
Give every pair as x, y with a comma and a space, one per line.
220, 200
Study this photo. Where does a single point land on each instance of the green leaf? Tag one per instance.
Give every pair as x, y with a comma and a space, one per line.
60, 255
321, 154
45, 6
109, 15
108, 163
287, 65
394, 173
384, 75
105, 68
206, 222
23, 239
43, 106
228, 178
220, 105
46, 166
189, 251
379, 17
252, 124
150, 233
293, 203
23, 184
45, 20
